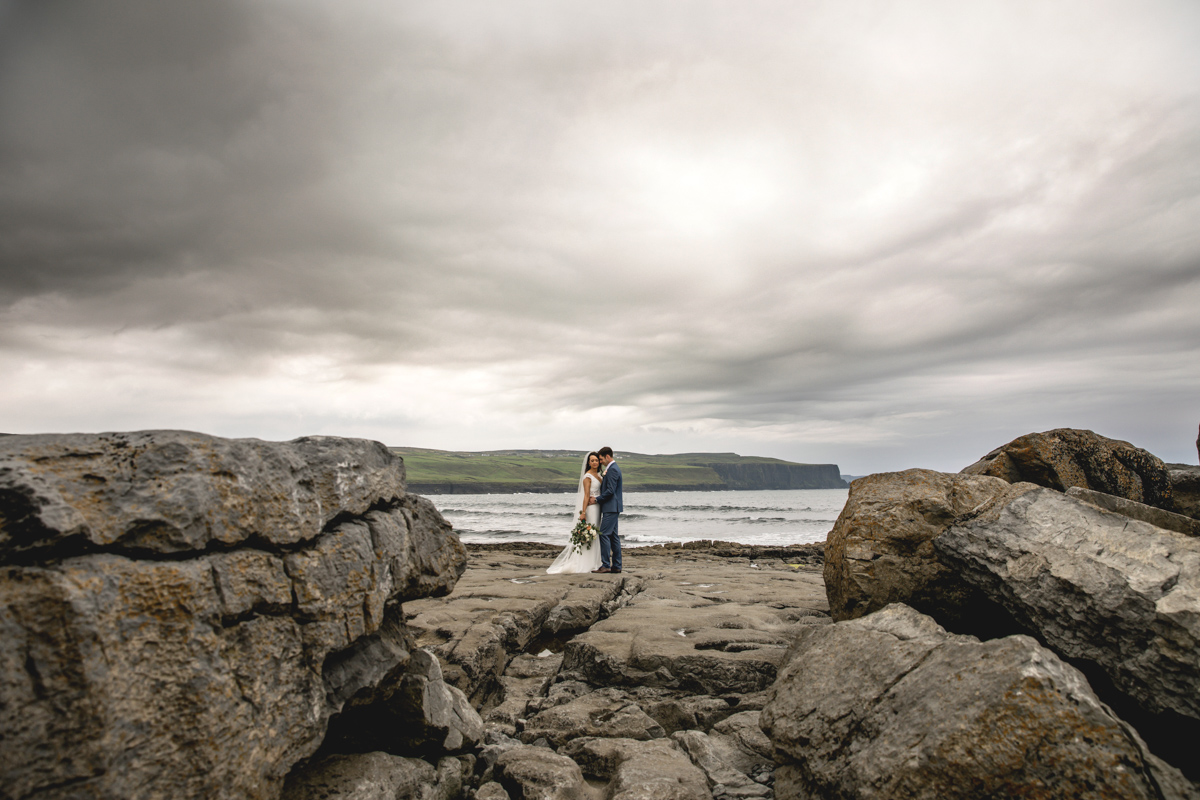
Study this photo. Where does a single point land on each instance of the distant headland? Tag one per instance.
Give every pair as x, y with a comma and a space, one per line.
512, 471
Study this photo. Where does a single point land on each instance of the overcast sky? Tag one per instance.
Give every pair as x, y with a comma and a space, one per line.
877, 234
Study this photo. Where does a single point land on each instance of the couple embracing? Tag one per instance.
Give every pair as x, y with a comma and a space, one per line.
598, 504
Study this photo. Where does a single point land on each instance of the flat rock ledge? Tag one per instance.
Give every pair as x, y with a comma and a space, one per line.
649, 682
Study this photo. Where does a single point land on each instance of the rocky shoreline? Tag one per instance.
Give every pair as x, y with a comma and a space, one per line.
189, 616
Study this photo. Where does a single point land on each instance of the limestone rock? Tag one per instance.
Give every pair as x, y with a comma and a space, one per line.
606, 712
711, 648
749, 746
690, 712
880, 550
207, 673
491, 791
374, 776
1095, 586
496, 614
599, 757
715, 758
890, 705
1066, 457
535, 773
1185, 488
657, 770
409, 712
1157, 517
177, 491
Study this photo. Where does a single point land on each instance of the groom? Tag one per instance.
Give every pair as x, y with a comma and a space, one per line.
611, 505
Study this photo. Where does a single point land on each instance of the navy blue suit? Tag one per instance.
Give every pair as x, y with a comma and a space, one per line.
612, 503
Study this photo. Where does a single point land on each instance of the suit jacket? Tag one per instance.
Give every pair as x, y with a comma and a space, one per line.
610, 498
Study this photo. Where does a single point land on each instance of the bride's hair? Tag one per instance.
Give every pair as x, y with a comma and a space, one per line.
588, 460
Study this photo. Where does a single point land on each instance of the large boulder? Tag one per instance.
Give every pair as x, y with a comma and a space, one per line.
1105, 590
880, 550
535, 773
1157, 517
657, 770
1185, 488
891, 705
180, 615
1066, 457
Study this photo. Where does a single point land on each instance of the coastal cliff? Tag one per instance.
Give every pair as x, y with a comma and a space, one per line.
547, 471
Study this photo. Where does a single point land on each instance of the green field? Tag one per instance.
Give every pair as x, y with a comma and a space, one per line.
437, 471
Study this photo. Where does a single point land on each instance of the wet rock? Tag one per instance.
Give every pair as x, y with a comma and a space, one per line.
535, 773
657, 770
880, 550
1098, 588
1066, 457
890, 705
1140, 511
606, 712
106, 644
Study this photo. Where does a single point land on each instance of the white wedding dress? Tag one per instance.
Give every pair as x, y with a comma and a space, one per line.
569, 560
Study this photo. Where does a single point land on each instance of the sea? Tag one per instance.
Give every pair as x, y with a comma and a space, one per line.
766, 517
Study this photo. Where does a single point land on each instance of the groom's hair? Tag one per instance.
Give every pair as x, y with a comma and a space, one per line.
604, 451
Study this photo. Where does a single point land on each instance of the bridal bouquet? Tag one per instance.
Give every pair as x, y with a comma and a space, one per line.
582, 536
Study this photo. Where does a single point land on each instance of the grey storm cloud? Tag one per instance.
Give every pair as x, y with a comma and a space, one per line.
880, 234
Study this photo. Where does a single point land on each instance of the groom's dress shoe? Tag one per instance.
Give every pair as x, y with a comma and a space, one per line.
615, 571
602, 569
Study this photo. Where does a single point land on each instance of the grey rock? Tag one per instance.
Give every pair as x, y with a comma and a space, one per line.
535, 773
687, 713
526, 678
657, 770
364, 776
491, 791
890, 705
1157, 517
606, 712
749, 746
1066, 457
410, 712
103, 653
599, 757
715, 757
711, 649
177, 491
1095, 586
1185, 488
880, 550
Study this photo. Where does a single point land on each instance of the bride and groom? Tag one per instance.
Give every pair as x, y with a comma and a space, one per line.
598, 502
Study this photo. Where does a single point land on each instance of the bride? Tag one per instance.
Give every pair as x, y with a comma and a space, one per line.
589, 486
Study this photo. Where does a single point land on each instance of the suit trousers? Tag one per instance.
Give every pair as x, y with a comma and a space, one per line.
610, 540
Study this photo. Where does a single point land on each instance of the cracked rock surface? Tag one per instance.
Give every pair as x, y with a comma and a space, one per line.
890, 705
180, 614
1096, 586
